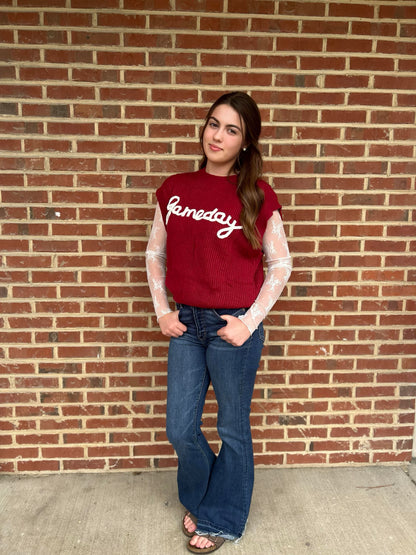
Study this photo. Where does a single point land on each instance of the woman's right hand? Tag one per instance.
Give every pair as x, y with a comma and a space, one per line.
171, 326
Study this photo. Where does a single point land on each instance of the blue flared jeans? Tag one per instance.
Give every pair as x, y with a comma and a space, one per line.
217, 489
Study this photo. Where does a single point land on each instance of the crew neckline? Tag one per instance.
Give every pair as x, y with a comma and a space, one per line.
232, 176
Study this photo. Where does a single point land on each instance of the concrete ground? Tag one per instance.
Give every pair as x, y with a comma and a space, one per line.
313, 511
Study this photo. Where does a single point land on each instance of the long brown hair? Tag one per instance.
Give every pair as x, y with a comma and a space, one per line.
248, 166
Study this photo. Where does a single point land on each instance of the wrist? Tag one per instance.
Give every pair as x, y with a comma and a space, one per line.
245, 321
163, 313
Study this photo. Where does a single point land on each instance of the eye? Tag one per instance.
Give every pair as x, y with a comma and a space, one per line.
232, 131
213, 124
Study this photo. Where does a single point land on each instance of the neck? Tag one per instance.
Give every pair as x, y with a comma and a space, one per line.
219, 171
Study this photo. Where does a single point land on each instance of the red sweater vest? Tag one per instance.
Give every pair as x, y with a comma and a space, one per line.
210, 263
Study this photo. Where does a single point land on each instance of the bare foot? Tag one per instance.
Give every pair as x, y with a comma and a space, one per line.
200, 542
189, 524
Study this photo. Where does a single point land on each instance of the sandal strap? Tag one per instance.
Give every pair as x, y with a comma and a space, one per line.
217, 540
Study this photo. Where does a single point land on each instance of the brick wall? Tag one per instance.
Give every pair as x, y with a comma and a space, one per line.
100, 101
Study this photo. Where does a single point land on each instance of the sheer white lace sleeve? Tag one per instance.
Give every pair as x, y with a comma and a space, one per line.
278, 261
156, 265
279, 268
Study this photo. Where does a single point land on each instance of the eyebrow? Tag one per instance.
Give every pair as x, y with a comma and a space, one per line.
229, 125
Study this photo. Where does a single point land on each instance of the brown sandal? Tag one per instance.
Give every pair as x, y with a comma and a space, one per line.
184, 530
216, 540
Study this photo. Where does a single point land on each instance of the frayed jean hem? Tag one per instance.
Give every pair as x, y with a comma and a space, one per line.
228, 537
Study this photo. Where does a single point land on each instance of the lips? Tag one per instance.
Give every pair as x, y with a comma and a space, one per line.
214, 148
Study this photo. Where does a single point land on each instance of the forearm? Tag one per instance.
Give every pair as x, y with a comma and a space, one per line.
273, 285
279, 267
156, 265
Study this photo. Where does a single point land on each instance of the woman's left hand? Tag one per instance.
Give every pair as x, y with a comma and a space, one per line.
235, 332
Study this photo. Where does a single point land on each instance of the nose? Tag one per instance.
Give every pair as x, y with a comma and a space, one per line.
218, 134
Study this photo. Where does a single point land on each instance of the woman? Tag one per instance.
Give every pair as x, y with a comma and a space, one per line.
210, 231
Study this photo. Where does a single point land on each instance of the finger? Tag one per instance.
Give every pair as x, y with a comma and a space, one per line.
178, 323
226, 317
179, 329
226, 337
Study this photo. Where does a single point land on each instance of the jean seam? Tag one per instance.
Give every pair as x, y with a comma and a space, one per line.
195, 419
261, 331
245, 461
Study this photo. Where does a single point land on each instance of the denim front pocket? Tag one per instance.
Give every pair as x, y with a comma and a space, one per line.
185, 313
236, 312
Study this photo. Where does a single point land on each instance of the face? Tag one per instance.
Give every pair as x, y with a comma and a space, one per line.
222, 140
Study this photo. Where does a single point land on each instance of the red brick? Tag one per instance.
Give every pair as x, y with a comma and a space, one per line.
91, 75
205, 42
343, 458
16, 18
121, 58
370, 99
81, 465
351, 350
297, 8
42, 439
321, 98
178, 21
97, 111
350, 432
396, 117
347, 116
37, 466
324, 63
269, 460
70, 128
324, 27
44, 74
276, 61
407, 64
115, 129
306, 458
84, 437
372, 28
106, 423
349, 45
250, 6
42, 37
393, 11
100, 146
392, 457
396, 47
19, 54
68, 19
344, 81
369, 63
176, 95
70, 92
